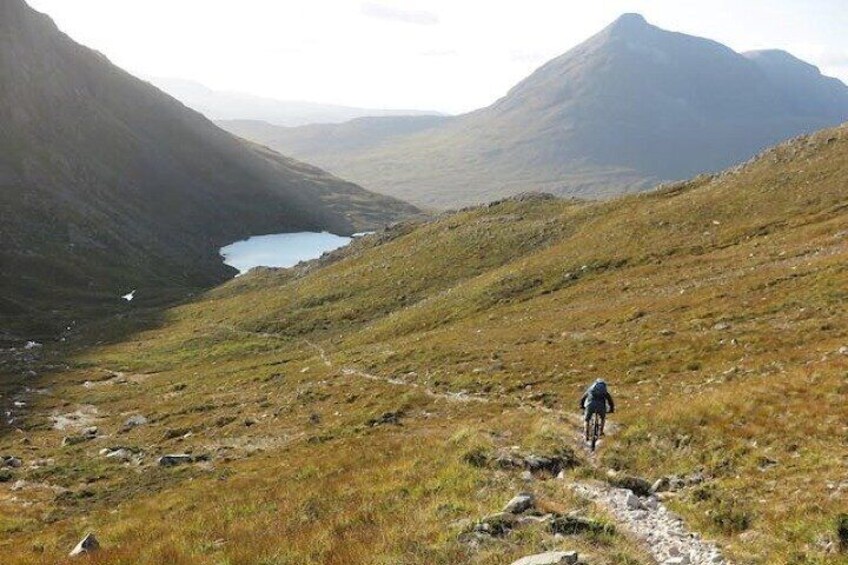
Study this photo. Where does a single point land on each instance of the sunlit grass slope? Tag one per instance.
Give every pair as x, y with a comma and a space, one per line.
716, 308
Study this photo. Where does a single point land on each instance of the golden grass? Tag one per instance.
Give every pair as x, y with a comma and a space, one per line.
716, 309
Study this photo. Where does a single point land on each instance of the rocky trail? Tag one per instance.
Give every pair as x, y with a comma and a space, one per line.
648, 520
663, 534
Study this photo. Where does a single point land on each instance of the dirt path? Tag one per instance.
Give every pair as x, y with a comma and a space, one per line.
646, 519
461, 396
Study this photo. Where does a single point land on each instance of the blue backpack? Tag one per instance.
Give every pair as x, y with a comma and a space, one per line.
598, 391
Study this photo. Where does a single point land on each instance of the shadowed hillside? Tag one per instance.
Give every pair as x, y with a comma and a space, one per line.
107, 185
632, 106
381, 405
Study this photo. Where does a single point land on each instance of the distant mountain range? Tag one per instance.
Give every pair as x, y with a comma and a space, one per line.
631, 107
218, 105
108, 185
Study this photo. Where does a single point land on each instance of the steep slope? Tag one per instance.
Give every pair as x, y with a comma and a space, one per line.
632, 106
107, 184
217, 105
368, 408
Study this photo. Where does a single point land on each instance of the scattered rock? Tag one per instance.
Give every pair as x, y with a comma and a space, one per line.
389, 418
721, 327
11, 461
175, 459
521, 503
767, 463
636, 485
843, 350
695, 478
87, 434
134, 422
549, 558
661, 485
119, 454
496, 525
633, 502
174, 433
88, 544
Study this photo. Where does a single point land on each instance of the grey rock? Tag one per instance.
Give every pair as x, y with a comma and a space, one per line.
633, 502
661, 485
11, 461
134, 422
549, 558
88, 544
498, 524
175, 459
75, 440
521, 503
120, 454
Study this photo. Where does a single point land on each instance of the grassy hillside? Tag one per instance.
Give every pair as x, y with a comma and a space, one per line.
353, 411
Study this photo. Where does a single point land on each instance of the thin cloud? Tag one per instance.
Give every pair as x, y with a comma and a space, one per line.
394, 14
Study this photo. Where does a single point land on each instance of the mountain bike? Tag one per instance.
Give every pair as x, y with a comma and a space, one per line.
595, 431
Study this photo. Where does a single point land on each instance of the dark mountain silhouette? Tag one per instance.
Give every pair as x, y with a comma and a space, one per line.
632, 106
107, 184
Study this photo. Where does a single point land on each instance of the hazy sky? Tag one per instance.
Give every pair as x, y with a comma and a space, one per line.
449, 55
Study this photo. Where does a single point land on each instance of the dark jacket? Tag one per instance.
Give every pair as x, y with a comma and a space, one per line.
587, 397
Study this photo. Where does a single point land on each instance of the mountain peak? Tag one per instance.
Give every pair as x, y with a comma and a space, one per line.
629, 23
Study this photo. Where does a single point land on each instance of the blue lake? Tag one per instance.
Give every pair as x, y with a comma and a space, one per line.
280, 250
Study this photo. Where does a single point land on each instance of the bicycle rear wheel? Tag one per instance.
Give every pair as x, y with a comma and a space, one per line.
596, 431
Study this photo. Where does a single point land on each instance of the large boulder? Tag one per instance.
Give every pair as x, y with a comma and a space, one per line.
549, 558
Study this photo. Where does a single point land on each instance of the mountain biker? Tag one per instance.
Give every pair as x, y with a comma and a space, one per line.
595, 401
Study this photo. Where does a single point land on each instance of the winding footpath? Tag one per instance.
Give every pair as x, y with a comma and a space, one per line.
646, 519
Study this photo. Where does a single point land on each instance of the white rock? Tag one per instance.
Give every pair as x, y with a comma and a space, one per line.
549, 558
88, 544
